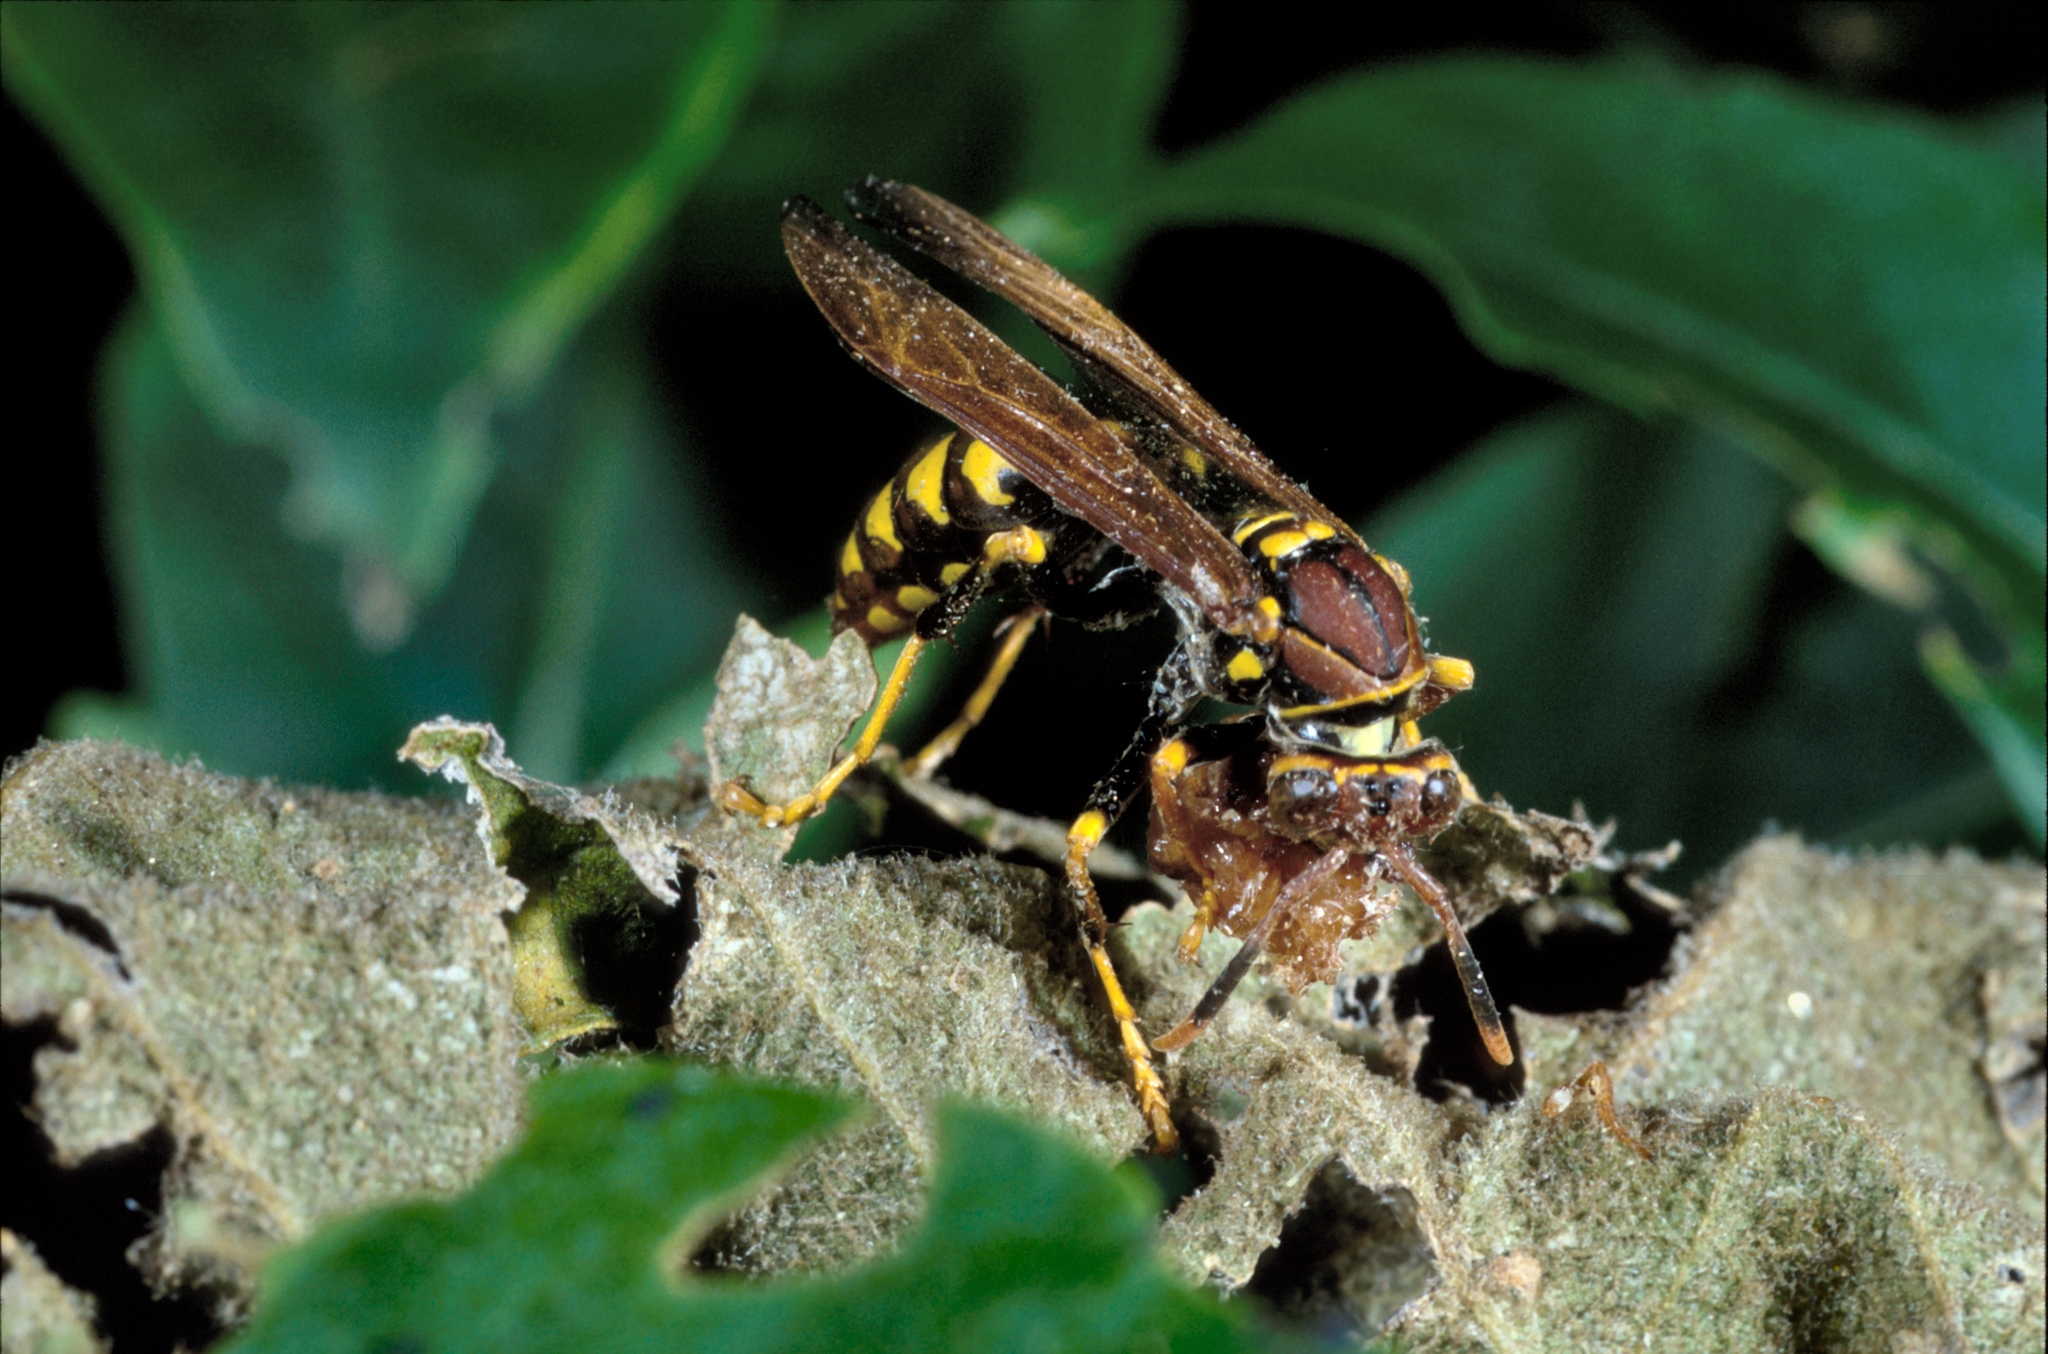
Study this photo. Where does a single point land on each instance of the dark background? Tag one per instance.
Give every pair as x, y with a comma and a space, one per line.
1276, 328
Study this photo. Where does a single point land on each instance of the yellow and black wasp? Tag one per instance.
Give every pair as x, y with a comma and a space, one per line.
1281, 823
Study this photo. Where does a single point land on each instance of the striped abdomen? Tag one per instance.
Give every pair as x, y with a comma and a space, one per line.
955, 507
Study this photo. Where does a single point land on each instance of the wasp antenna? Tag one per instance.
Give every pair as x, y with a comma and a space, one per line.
1477, 995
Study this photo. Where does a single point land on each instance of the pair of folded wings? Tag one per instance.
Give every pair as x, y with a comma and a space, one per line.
934, 351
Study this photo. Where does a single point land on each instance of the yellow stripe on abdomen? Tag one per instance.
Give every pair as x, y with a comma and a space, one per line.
983, 469
925, 485
880, 522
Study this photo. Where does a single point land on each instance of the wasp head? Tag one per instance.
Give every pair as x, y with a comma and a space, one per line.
1366, 803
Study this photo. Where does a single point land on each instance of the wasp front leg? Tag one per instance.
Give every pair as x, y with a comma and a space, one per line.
1106, 803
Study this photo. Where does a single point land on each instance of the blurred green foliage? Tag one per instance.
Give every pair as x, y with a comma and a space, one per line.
383, 440
572, 1242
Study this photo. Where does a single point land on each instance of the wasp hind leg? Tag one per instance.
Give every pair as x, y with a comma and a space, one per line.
737, 798
1082, 838
1016, 633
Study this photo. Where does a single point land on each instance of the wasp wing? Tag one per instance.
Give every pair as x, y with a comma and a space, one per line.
1081, 325
938, 354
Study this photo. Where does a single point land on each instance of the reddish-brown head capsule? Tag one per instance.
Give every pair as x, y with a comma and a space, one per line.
1366, 803
1287, 851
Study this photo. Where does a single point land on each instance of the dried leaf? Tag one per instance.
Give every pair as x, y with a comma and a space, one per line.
1778, 1222
778, 720
902, 981
1493, 856
309, 990
1861, 979
1774, 1219
1301, 1131
2011, 1000
39, 1312
1837, 1081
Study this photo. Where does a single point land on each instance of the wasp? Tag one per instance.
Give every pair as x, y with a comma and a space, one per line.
1285, 823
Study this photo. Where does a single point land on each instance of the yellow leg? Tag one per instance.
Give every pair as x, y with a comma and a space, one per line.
1082, 839
934, 754
736, 798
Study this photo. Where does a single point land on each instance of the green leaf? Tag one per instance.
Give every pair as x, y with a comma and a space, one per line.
970, 100
638, 592
2001, 701
579, 1239
2004, 710
1095, 77
1854, 295
561, 1244
369, 230
561, 619
1613, 583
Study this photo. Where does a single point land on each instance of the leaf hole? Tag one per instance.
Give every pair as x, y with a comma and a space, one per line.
633, 960
84, 1220
75, 919
1348, 1260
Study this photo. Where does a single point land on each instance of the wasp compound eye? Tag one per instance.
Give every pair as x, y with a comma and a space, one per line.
1303, 801
1440, 795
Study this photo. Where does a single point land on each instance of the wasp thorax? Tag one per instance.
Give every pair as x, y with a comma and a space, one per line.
1352, 604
